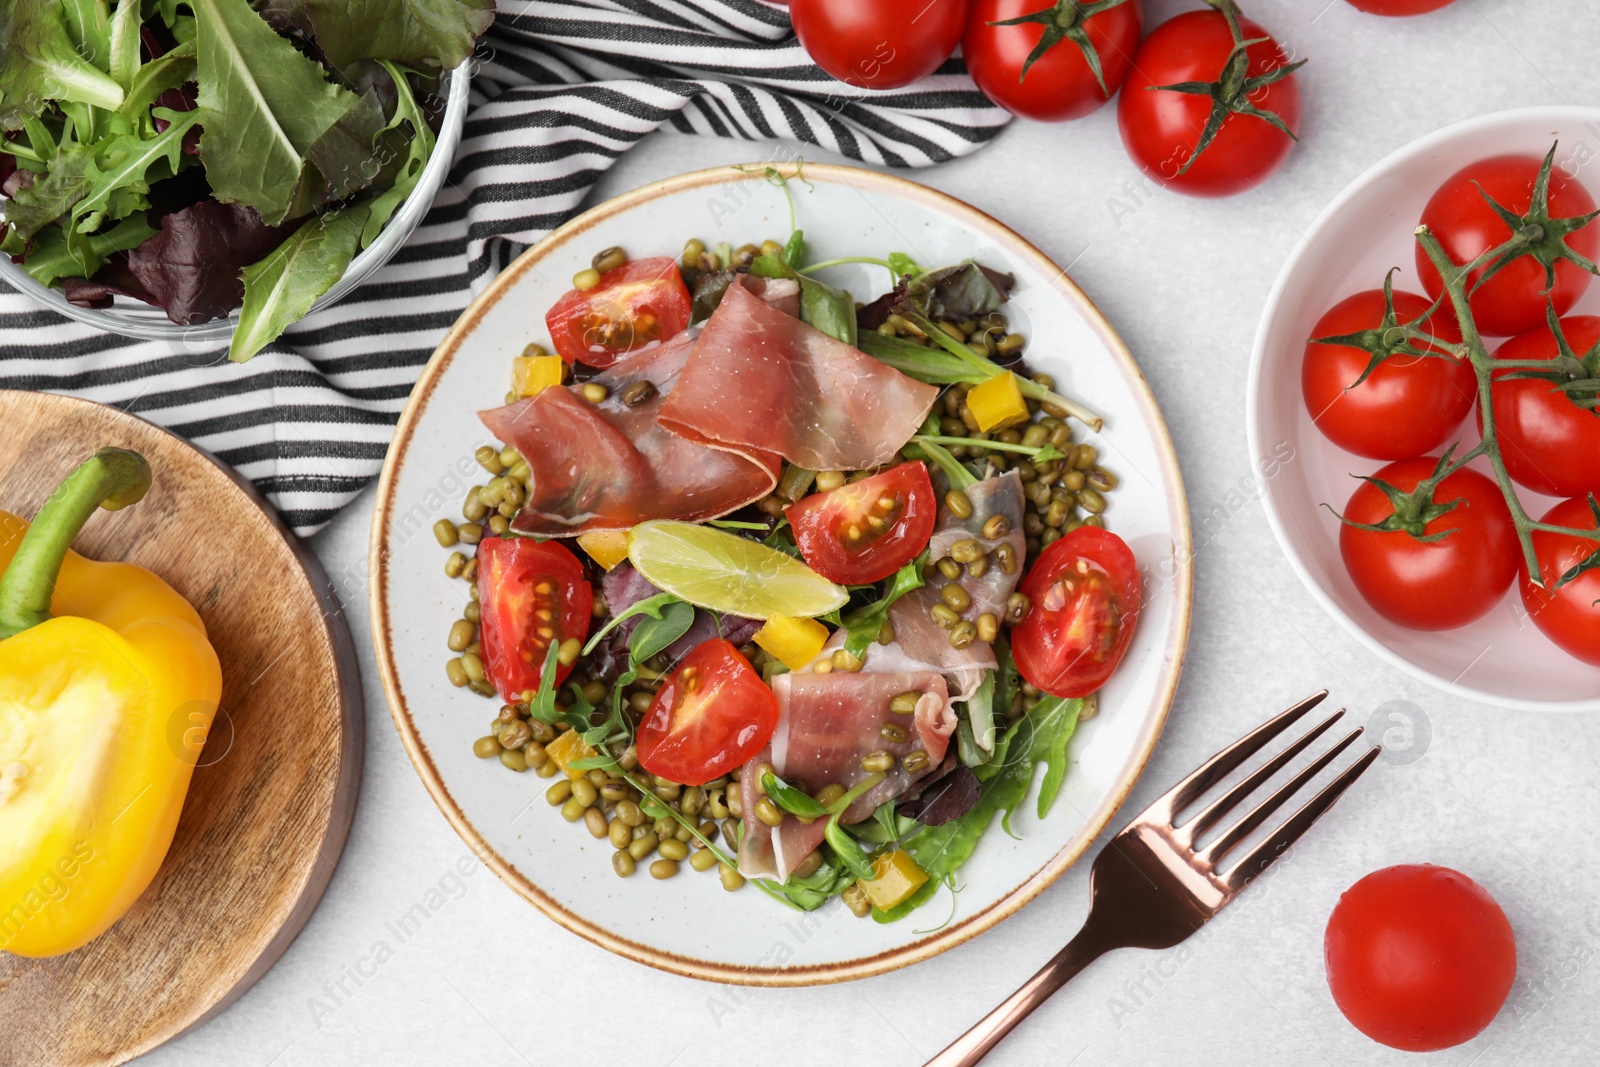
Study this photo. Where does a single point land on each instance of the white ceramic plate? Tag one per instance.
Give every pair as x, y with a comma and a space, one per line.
1501, 659
689, 924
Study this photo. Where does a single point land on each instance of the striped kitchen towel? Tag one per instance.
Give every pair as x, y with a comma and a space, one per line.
561, 88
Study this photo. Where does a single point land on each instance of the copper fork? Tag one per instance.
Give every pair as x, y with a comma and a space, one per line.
1152, 887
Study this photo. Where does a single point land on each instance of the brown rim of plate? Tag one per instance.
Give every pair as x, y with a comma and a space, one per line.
817, 974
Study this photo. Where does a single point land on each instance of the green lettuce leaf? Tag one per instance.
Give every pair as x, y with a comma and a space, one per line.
264, 106
53, 193
39, 62
59, 253
419, 147
280, 289
417, 33
156, 77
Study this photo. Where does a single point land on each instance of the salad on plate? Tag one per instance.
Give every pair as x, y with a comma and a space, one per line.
776, 583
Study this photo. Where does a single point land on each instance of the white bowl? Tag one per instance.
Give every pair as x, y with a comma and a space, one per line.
134, 318
1503, 658
689, 925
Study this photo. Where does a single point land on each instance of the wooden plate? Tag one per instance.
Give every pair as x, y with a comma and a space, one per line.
275, 790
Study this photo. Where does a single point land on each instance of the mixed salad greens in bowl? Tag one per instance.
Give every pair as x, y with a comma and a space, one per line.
782, 585
201, 168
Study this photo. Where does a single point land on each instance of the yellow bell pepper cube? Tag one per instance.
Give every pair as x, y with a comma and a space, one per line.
606, 547
998, 403
532, 375
794, 642
895, 876
107, 688
567, 749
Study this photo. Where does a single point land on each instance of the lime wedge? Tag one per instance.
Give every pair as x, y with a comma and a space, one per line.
727, 573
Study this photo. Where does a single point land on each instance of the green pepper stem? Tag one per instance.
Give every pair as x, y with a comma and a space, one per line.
112, 478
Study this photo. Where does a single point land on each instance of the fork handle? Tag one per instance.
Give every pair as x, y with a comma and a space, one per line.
975, 1044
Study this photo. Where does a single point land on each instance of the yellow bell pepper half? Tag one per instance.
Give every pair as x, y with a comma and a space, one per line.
107, 688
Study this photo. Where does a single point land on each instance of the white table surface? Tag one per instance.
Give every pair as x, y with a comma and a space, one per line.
1509, 798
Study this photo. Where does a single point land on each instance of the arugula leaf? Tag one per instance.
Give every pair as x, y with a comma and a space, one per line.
815, 889
280, 289
651, 606
419, 147
171, 70
62, 186
418, 33
655, 633
863, 626
121, 171
263, 105
39, 62
1040, 736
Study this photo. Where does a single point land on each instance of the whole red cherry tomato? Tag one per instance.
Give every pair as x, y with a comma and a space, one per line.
1570, 615
1513, 300
1408, 406
1085, 595
1059, 84
1549, 443
1436, 585
713, 714
532, 595
1419, 957
1161, 128
1399, 7
878, 44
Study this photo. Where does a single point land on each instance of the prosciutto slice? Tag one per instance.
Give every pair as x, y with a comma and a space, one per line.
915, 630
761, 379
826, 723
609, 465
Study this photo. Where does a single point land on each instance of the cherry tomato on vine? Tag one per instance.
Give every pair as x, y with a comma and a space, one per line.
1085, 597
1513, 300
1419, 957
532, 595
713, 714
1436, 585
1162, 128
877, 44
865, 531
1570, 615
1549, 444
1399, 7
642, 301
1408, 406
1059, 84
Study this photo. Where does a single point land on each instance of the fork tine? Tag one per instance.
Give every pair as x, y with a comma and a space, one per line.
1230, 838
1217, 767
1214, 811
1262, 856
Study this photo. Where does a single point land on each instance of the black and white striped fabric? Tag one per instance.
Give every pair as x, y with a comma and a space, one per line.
561, 88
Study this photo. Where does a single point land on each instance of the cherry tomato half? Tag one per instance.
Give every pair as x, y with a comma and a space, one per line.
531, 594
1399, 7
878, 44
1408, 406
865, 531
1513, 301
1059, 85
1570, 615
1161, 128
636, 303
1419, 957
1549, 444
1086, 599
1435, 585
713, 714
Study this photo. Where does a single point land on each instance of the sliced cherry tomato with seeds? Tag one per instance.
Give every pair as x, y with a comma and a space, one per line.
865, 531
531, 595
714, 713
1085, 596
636, 303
